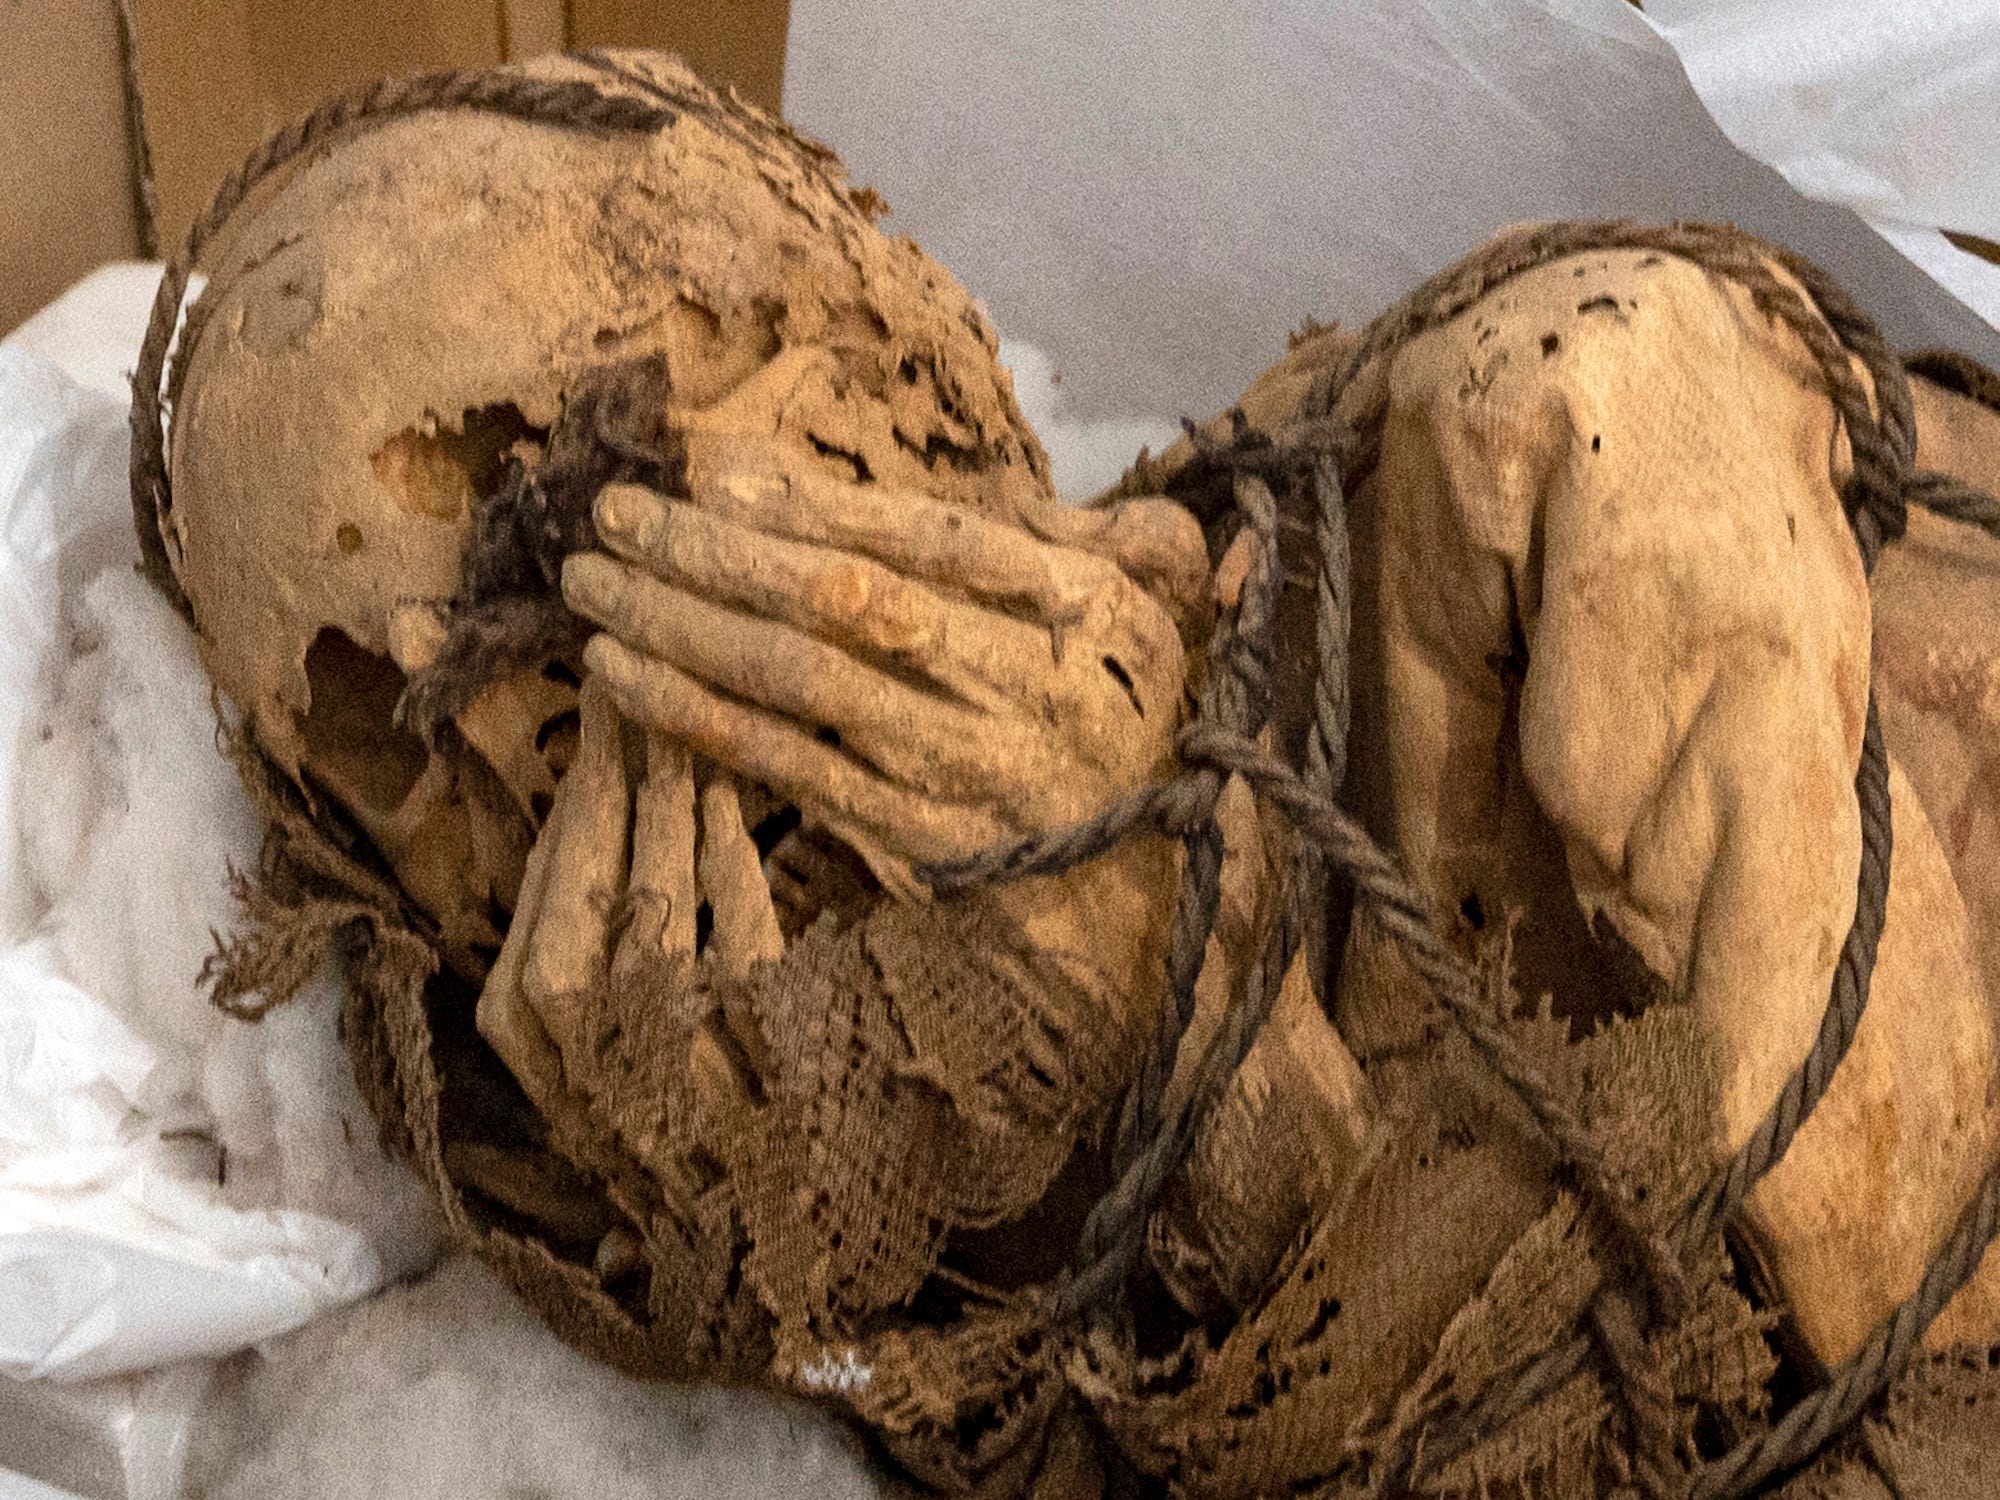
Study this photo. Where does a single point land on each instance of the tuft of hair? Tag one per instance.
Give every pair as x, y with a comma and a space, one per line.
508, 615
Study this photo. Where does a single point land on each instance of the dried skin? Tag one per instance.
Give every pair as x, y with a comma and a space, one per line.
1274, 1153
505, 1018
569, 947
732, 882
660, 931
1936, 608
1643, 502
1653, 499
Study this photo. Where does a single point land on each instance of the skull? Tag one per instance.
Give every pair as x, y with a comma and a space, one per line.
391, 341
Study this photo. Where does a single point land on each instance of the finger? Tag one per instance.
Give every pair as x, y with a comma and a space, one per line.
503, 1016
929, 539
745, 930
851, 602
569, 948
1154, 542
987, 658
660, 892
927, 742
888, 824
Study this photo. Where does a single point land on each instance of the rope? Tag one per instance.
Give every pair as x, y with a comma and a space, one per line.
1649, 1399
1953, 499
574, 105
1881, 485
1149, 1145
1808, 1426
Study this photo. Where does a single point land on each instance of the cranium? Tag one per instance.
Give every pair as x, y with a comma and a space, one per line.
392, 337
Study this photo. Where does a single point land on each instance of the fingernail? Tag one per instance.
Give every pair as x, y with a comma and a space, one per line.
630, 513
741, 489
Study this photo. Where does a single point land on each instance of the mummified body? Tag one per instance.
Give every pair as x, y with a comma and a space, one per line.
826, 1126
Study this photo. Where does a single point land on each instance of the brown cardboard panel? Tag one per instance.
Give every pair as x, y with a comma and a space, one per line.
529, 28
740, 42
221, 74
65, 168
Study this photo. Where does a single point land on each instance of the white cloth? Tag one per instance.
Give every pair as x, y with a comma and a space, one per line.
172, 1184
1154, 195
1892, 110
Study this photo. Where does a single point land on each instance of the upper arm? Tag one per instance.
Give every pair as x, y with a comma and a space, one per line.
1616, 476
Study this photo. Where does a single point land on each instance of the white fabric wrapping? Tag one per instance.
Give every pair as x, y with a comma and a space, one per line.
172, 1184
1155, 195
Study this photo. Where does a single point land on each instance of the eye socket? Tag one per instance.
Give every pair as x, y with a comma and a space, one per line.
353, 743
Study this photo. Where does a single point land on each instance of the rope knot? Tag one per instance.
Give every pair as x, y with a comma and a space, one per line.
1211, 746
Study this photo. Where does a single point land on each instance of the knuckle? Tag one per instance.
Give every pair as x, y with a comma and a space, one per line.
842, 589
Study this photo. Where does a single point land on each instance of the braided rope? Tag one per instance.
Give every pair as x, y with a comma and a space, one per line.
1150, 1145
1809, 1425
1107, 1254
1657, 1470
1955, 500
572, 104
1326, 744
1333, 623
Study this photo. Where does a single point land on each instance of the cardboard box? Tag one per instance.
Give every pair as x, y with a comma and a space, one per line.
728, 43
65, 169
218, 75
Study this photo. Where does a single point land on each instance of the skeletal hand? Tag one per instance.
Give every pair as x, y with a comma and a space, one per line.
918, 678
640, 839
